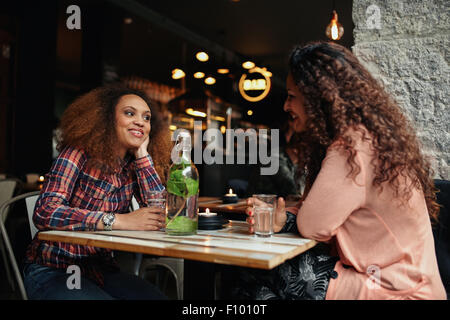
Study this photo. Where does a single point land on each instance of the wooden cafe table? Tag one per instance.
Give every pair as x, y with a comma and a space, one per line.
231, 245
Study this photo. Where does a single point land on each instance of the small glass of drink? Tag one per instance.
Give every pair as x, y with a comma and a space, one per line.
264, 206
158, 199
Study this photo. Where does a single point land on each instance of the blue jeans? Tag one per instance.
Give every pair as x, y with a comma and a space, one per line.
46, 283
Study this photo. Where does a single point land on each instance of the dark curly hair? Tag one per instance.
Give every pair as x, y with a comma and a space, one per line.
339, 94
89, 124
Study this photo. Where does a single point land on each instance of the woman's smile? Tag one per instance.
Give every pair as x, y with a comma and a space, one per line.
294, 105
139, 133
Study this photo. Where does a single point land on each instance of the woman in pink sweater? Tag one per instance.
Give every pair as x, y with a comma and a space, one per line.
369, 192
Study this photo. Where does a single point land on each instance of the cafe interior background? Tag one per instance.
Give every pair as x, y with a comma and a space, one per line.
142, 43
47, 60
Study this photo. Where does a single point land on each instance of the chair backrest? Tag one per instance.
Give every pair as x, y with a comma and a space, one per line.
31, 202
11, 257
7, 188
134, 204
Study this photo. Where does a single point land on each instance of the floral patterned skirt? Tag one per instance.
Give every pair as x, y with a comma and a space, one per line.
305, 277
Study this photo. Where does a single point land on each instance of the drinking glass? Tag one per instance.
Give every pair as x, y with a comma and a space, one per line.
157, 199
264, 206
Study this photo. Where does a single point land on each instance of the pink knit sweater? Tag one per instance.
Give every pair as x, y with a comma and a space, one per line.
386, 249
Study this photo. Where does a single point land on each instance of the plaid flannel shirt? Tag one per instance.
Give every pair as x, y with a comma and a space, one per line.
74, 197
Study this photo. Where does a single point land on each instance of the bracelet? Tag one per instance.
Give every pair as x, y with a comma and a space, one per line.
291, 223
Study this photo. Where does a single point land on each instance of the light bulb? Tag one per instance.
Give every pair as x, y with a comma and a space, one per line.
202, 56
248, 65
178, 74
210, 80
199, 75
334, 30
195, 113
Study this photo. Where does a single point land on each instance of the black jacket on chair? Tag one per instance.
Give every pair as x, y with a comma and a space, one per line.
441, 232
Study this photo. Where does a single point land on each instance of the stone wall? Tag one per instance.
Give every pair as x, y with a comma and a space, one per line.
405, 44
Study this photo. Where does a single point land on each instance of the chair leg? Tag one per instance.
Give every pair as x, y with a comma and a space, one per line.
173, 265
7, 268
137, 263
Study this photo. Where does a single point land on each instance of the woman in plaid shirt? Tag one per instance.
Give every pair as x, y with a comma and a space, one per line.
104, 161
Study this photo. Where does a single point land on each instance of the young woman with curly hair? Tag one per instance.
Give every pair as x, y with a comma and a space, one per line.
104, 160
369, 192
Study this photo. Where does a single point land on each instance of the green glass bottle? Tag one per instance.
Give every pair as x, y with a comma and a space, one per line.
183, 189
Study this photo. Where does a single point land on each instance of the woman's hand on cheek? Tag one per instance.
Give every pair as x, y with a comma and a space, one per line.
142, 150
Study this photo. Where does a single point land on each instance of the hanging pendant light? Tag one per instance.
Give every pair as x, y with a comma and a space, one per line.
334, 30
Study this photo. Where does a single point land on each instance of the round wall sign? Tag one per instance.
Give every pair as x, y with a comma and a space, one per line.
255, 85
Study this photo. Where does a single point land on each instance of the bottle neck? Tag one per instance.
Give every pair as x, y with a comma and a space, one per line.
186, 155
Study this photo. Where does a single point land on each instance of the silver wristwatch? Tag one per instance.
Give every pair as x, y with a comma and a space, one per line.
108, 220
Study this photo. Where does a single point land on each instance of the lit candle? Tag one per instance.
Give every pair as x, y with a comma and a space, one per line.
230, 193
230, 197
207, 213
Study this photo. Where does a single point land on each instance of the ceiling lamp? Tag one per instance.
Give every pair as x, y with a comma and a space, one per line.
223, 71
218, 118
248, 65
195, 113
178, 74
334, 30
210, 80
202, 56
199, 75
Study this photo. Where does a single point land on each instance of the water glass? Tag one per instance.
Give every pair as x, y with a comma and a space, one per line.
264, 206
158, 199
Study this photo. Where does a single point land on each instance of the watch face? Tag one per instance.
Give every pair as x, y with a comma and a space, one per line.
108, 219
